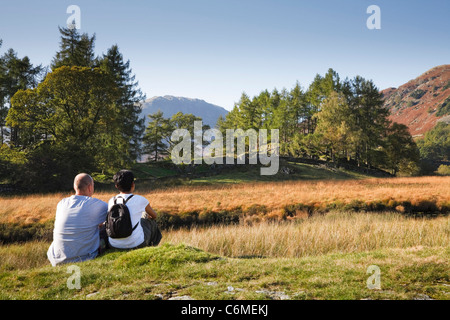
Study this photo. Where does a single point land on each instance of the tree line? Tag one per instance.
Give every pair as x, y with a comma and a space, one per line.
333, 119
81, 113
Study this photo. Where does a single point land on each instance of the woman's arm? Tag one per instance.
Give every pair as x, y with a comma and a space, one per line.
150, 212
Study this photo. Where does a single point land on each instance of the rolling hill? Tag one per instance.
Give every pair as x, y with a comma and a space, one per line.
421, 103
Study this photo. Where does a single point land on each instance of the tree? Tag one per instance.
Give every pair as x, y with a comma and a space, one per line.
3, 107
75, 49
15, 74
401, 151
74, 107
156, 135
318, 90
186, 121
129, 101
435, 145
371, 117
335, 125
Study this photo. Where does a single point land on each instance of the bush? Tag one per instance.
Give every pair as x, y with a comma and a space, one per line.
417, 94
444, 108
443, 170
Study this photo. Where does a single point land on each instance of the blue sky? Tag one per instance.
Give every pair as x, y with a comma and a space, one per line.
215, 50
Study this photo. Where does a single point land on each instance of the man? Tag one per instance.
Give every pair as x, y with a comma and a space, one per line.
76, 231
142, 215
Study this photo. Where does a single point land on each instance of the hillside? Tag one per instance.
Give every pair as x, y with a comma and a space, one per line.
422, 102
170, 105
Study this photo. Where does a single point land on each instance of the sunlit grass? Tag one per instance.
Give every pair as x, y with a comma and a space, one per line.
273, 195
337, 232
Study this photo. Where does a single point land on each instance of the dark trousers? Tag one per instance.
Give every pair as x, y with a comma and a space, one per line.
152, 234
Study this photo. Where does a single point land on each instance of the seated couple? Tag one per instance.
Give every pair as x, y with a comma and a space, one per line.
80, 221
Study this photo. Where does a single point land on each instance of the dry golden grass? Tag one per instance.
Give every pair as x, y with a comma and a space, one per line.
336, 232
273, 195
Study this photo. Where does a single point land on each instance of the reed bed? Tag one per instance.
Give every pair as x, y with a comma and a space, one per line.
338, 232
274, 196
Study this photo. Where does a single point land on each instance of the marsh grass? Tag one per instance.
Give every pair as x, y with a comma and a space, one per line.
419, 193
342, 232
23, 256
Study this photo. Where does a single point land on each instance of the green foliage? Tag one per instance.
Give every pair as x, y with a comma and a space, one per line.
401, 151
443, 170
69, 123
157, 138
11, 163
446, 86
444, 108
417, 94
75, 49
15, 74
129, 99
436, 143
156, 134
83, 116
334, 120
336, 125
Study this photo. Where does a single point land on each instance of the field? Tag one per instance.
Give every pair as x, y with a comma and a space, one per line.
295, 199
300, 239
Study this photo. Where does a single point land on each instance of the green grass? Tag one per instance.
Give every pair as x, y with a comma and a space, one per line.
153, 170
175, 270
162, 174
301, 171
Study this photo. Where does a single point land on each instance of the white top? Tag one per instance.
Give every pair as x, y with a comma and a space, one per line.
76, 234
136, 206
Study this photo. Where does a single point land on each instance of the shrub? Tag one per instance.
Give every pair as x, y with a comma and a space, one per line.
443, 170
417, 94
444, 108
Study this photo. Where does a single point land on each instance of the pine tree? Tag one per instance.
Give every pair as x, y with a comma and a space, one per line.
401, 151
75, 49
335, 125
130, 99
3, 108
156, 136
370, 115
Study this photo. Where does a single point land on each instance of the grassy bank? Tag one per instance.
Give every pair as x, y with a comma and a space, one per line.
172, 271
324, 257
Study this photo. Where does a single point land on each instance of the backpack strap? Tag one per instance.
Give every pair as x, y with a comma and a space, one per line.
124, 200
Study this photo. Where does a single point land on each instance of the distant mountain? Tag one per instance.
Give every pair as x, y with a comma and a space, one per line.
422, 102
170, 105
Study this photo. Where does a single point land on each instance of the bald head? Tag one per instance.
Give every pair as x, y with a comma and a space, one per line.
83, 185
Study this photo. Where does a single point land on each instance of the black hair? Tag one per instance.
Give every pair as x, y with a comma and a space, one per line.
124, 180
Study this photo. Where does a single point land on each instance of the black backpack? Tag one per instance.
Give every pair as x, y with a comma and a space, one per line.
118, 220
